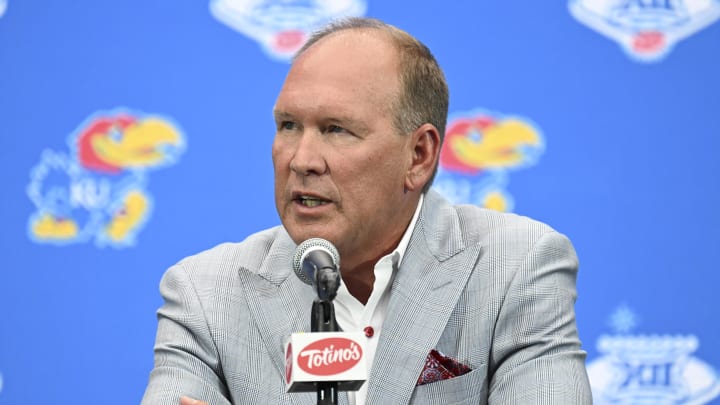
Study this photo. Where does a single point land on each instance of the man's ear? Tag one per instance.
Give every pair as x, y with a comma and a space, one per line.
425, 154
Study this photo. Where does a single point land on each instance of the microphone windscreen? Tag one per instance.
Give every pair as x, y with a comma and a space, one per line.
308, 246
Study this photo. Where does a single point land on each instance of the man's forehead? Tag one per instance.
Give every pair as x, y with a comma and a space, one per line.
343, 71
347, 60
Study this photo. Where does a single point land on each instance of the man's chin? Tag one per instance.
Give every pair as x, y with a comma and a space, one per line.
299, 236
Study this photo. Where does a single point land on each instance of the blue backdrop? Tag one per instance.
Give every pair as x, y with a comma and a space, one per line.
135, 133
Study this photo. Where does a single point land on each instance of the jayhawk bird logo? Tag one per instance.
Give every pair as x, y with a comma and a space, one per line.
480, 148
98, 191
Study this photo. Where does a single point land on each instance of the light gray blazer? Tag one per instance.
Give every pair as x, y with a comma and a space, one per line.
494, 291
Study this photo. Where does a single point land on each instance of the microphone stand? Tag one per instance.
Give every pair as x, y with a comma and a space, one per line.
323, 320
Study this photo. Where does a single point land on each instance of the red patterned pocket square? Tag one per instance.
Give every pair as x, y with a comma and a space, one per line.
440, 367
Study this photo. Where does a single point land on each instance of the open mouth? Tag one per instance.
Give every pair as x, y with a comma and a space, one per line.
310, 202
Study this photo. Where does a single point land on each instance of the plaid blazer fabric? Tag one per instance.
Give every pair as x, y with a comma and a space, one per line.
494, 291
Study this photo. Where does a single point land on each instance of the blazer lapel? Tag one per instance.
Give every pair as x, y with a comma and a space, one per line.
427, 286
276, 301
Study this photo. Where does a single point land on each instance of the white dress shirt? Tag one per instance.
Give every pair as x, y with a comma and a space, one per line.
352, 315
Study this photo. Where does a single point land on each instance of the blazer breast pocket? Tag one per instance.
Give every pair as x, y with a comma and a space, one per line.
469, 388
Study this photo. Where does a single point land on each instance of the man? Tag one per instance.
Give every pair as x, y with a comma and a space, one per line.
360, 120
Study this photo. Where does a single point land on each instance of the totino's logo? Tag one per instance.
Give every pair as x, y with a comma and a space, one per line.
646, 29
329, 356
282, 27
99, 190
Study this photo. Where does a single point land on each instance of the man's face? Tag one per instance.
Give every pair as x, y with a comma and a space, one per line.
340, 165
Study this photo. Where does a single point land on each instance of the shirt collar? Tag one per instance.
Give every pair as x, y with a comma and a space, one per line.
399, 251
384, 271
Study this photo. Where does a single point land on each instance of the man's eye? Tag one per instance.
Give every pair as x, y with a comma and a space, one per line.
335, 129
287, 125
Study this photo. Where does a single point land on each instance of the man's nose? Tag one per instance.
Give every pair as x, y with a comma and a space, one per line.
308, 157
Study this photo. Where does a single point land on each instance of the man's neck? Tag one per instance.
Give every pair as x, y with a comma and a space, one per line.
360, 279
360, 283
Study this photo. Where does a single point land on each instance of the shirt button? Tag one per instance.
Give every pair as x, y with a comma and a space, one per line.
369, 331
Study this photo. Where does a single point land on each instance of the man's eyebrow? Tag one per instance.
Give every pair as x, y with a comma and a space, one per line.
282, 115
339, 119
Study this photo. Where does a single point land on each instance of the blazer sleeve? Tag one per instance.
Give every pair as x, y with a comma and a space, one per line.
536, 354
186, 358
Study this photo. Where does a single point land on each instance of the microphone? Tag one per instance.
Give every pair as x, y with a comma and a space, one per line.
317, 262
327, 360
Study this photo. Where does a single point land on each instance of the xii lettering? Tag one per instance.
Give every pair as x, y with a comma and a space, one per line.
648, 375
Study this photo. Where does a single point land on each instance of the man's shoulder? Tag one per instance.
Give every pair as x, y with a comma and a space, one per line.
459, 226
485, 221
476, 224
247, 254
